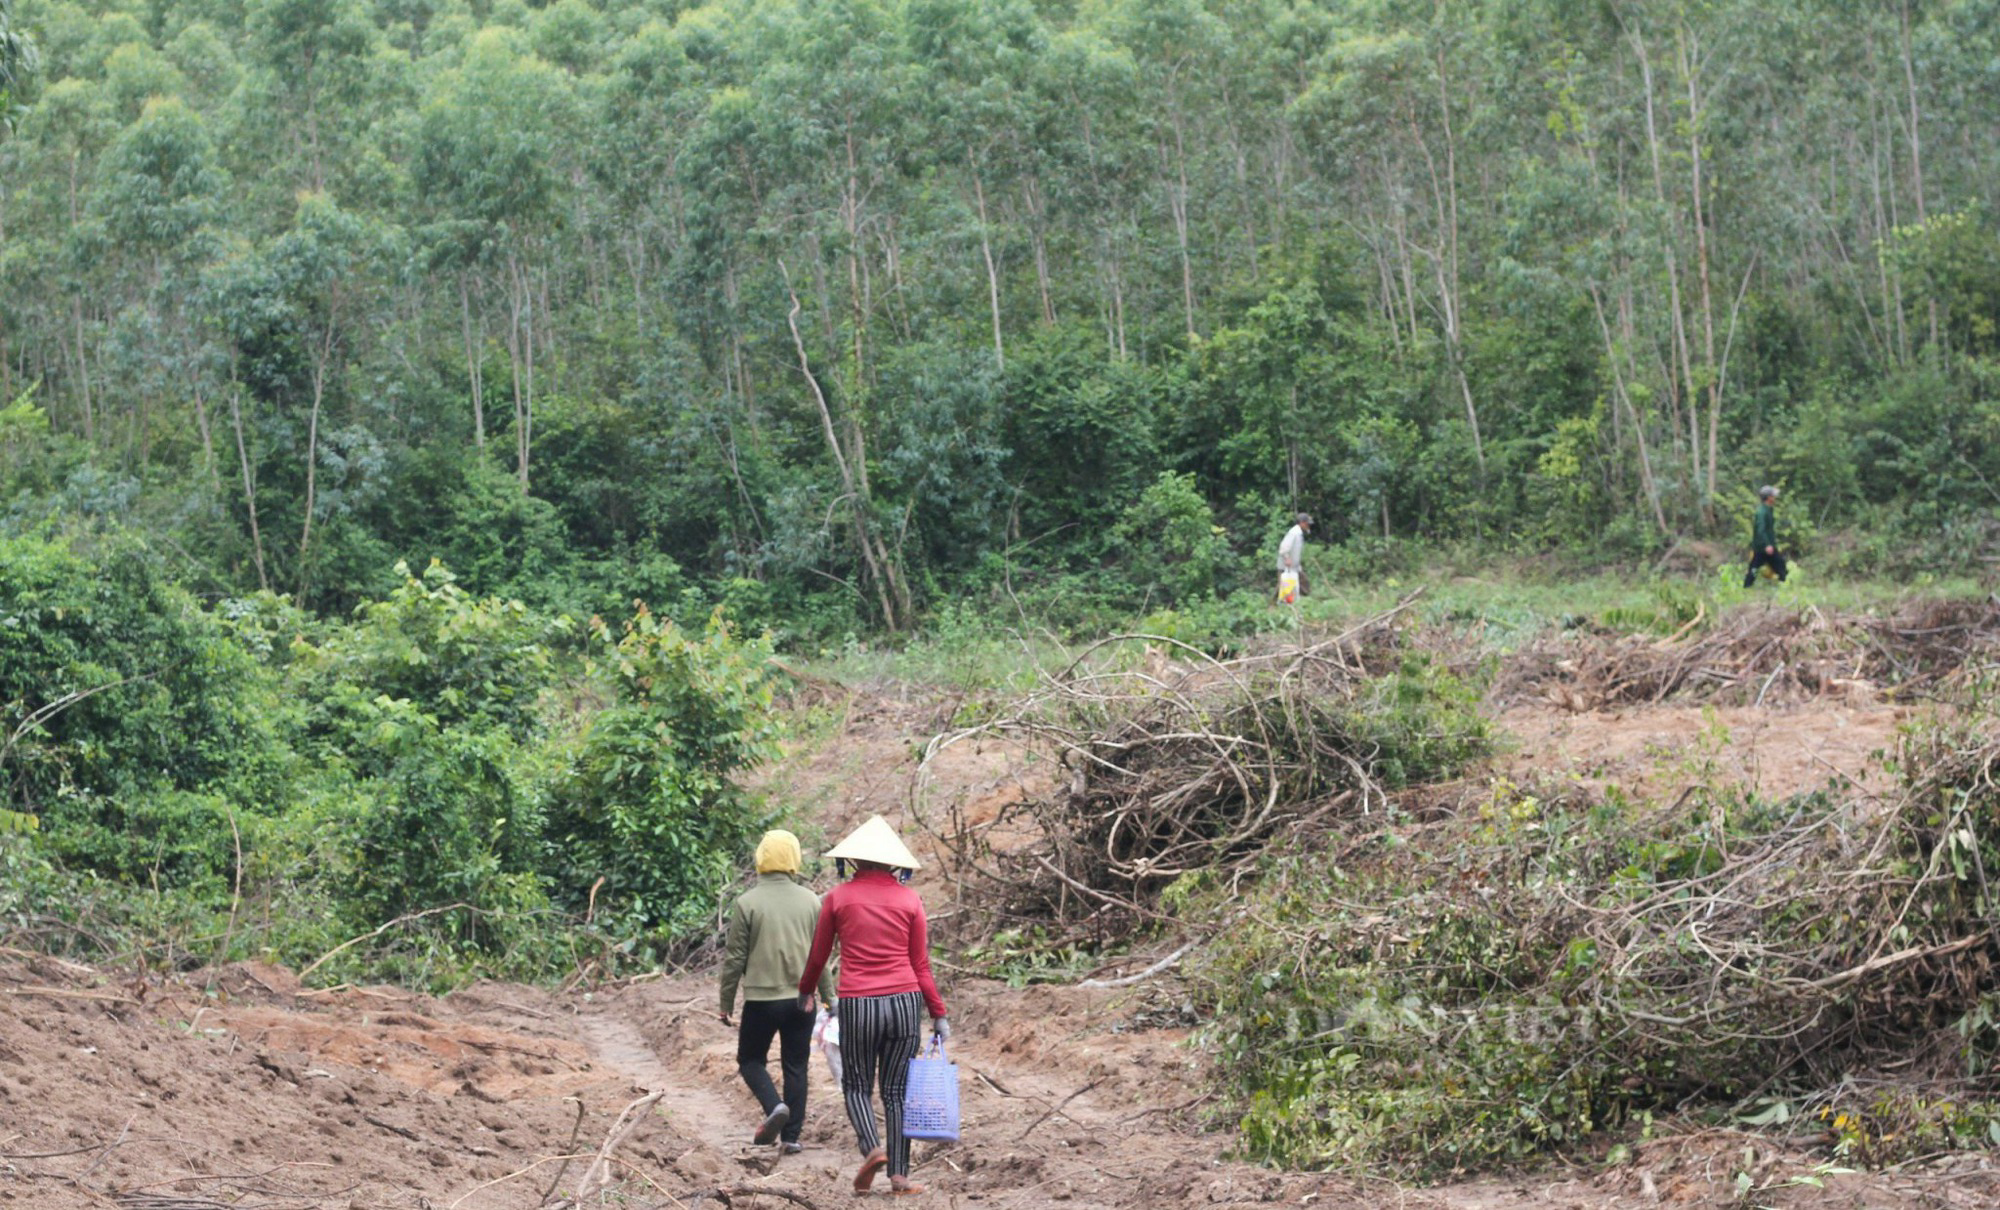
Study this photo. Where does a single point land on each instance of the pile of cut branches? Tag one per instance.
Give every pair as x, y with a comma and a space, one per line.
1759, 655
1520, 976
1171, 762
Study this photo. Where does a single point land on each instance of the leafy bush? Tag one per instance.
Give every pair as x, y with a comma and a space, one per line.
1419, 723
469, 662
441, 762
647, 822
129, 712
1171, 548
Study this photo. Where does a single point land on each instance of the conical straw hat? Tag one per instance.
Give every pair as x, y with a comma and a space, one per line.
876, 841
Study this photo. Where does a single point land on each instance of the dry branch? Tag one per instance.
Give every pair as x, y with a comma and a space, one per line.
1755, 656
727, 1194
599, 1172
1170, 760
381, 929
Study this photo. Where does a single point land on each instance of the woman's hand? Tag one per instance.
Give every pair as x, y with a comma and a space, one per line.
941, 1028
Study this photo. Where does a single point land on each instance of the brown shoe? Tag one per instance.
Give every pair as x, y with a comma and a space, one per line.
876, 1160
899, 1186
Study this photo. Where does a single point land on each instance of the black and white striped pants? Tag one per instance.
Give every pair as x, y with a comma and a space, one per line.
879, 1035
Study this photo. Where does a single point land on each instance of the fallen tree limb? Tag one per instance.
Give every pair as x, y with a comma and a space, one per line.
599, 1172
725, 1194
381, 929
1057, 1108
1142, 976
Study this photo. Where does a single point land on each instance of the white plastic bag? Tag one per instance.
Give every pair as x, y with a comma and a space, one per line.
826, 1040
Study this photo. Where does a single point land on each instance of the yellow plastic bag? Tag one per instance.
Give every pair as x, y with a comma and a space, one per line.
1288, 588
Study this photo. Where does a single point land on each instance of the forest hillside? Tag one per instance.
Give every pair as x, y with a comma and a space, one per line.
838, 310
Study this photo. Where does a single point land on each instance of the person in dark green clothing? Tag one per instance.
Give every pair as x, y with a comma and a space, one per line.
770, 936
1764, 537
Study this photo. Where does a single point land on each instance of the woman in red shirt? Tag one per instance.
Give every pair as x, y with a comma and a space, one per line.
885, 988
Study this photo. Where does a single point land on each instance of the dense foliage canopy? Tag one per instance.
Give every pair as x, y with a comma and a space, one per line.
847, 306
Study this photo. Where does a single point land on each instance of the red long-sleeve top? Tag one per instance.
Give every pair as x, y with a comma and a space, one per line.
885, 943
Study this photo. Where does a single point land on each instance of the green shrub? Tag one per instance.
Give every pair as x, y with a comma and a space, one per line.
467, 661
1419, 723
127, 711
647, 823
441, 763
1169, 544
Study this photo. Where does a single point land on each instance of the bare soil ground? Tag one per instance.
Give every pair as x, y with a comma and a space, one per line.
153, 1098
239, 1088
1779, 752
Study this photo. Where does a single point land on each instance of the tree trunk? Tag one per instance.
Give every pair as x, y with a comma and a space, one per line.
891, 596
1668, 233
207, 443
1177, 198
892, 256
1239, 160
1115, 313
1038, 232
850, 210
992, 273
473, 350
1638, 422
249, 487
521, 356
1691, 69
1457, 300
83, 372
1916, 150
1444, 267
322, 361
1892, 298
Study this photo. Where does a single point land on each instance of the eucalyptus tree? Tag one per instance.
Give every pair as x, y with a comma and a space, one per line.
1179, 46
1400, 83
492, 148
62, 140
324, 275
157, 188
310, 56
649, 105
1099, 178
833, 104
977, 62
19, 61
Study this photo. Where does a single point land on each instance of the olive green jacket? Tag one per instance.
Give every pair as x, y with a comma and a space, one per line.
770, 936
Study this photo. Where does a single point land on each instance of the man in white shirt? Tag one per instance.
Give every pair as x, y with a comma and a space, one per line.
1291, 551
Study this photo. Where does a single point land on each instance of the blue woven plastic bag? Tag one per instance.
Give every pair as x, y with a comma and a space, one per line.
930, 1108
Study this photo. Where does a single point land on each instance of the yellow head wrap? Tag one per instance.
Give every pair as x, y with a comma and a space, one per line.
778, 853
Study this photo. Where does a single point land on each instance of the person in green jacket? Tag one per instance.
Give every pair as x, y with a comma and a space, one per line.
1764, 537
770, 935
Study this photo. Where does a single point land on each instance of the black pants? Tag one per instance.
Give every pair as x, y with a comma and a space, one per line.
793, 1027
1758, 559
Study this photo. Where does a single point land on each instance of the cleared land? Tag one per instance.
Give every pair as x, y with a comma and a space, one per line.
241, 1088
